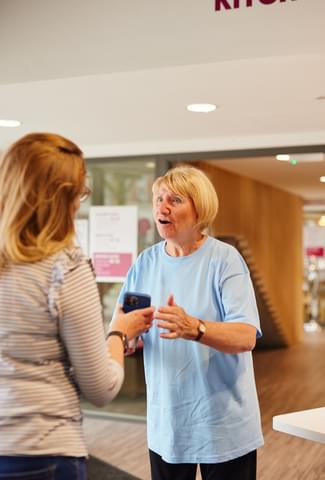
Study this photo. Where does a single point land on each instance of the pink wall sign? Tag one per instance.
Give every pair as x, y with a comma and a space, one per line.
315, 251
112, 264
113, 241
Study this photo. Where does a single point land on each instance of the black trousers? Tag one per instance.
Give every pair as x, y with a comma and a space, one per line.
242, 468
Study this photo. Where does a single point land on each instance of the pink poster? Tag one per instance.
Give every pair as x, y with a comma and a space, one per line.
113, 241
112, 264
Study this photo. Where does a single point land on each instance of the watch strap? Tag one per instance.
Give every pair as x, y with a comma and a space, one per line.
122, 336
200, 331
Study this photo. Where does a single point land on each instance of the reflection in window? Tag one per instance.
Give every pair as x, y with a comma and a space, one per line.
123, 183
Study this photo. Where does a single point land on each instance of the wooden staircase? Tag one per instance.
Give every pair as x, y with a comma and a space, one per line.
273, 333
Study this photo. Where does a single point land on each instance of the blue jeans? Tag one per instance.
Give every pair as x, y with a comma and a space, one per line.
47, 467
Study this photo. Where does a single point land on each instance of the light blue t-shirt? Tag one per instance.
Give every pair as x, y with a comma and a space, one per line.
202, 404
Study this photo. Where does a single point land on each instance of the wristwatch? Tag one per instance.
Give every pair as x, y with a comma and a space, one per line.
200, 330
122, 336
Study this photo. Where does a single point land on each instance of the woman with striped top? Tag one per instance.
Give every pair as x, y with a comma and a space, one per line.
52, 343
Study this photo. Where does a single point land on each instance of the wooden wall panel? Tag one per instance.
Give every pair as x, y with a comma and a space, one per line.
271, 221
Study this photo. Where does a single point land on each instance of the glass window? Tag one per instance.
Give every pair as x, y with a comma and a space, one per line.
314, 268
123, 182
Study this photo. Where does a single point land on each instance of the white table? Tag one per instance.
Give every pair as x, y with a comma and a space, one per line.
308, 424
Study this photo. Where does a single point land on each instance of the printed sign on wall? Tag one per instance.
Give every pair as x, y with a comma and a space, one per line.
113, 241
314, 240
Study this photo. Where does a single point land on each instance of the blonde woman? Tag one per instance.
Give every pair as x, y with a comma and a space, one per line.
52, 342
201, 394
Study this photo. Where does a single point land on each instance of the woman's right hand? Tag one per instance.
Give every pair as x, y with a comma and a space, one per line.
133, 323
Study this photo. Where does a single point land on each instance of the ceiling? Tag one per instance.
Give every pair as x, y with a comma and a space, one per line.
301, 179
116, 75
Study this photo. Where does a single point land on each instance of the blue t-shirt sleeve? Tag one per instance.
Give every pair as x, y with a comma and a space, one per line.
237, 292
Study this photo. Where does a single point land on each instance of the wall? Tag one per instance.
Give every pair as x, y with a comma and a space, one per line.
271, 221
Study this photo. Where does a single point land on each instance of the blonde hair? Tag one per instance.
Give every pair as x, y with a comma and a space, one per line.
191, 182
41, 176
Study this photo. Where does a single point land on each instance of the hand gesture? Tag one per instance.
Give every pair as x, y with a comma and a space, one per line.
175, 319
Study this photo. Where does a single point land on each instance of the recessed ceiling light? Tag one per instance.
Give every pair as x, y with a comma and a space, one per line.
201, 107
9, 123
283, 157
322, 179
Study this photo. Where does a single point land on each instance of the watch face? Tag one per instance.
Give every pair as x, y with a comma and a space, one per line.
125, 343
202, 328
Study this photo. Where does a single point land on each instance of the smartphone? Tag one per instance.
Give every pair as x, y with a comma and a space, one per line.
134, 300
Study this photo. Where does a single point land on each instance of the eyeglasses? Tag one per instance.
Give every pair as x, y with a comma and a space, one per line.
84, 194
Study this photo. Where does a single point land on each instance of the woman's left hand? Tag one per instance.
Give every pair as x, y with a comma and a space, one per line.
133, 323
172, 317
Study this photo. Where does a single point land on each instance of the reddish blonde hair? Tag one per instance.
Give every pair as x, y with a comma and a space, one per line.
41, 176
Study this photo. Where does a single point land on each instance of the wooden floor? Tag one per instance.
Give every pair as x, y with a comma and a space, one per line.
287, 380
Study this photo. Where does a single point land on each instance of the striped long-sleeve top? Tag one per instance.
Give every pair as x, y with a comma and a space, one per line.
52, 345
